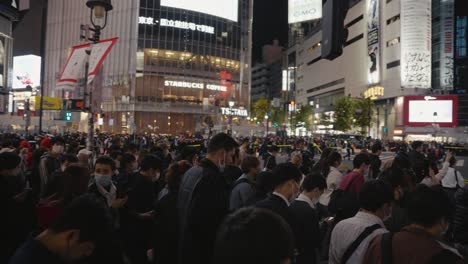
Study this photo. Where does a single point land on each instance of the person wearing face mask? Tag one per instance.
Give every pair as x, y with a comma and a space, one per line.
244, 190
128, 171
203, 201
429, 211
351, 237
287, 178
306, 220
137, 224
77, 232
49, 164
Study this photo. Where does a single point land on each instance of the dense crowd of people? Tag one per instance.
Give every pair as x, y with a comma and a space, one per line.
228, 200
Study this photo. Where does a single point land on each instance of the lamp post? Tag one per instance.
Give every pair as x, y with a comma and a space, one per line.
231, 104
267, 121
98, 12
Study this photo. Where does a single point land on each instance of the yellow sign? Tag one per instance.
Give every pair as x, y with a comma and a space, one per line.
49, 103
374, 92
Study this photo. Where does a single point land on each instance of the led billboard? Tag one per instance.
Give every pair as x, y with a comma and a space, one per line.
428, 110
227, 9
26, 71
304, 10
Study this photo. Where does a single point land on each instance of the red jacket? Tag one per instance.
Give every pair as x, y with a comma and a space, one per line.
356, 180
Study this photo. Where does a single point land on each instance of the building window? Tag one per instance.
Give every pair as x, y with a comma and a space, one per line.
393, 64
393, 19
461, 36
388, 1
393, 42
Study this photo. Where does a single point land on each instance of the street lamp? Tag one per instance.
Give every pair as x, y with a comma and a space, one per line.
266, 118
98, 10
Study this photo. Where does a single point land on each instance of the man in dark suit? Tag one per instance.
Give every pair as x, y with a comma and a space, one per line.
269, 158
306, 219
287, 178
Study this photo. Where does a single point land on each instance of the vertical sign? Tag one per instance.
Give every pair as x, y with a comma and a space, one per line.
373, 43
416, 43
446, 47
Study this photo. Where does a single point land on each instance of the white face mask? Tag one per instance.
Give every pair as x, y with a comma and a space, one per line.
103, 180
58, 149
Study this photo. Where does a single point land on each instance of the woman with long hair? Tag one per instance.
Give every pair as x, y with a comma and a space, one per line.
333, 176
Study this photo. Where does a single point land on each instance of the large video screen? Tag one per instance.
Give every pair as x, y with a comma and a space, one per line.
227, 9
436, 111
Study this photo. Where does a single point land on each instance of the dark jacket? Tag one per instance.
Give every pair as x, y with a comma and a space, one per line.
412, 245
374, 167
417, 161
202, 204
460, 222
306, 231
269, 161
277, 205
34, 252
166, 232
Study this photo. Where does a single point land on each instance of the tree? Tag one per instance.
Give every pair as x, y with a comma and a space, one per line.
261, 108
362, 114
278, 116
304, 115
344, 112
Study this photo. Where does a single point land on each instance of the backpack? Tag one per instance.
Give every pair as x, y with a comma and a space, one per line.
343, 204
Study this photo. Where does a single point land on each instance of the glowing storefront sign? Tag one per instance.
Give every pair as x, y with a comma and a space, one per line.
374, 92
234, 111
304, 10
195, 85
176, 24
227, 9
373, 43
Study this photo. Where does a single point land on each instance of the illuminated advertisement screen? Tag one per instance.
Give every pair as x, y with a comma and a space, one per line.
428, 110
304, 10
227, 9
26, 71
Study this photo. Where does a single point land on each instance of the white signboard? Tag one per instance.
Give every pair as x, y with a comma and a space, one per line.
227, 9
304, 10
234, 111
416, 43
432, 111
26, 71
373, 43
446, 44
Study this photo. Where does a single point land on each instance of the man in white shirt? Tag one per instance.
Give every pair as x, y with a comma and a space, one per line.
351, 237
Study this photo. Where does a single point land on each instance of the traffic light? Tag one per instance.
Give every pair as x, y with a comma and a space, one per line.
68, 116
334, 34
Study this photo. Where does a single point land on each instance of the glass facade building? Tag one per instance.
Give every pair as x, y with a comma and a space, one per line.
189, 65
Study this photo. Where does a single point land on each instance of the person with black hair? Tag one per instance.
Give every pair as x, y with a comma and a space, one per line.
375, 162
417, 160
233, 172
354, 180
204, 201
287, 179
306, 218
50, 163
429, 211
350, 237
254, 236
265, 185
333, 176
82, 228
165, 237
244, 190
453, 180
102, 185
269, 158
127, 172
138, 223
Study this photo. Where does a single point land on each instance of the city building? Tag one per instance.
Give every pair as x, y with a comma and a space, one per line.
386, 58
9, 14
178, 66
267, 76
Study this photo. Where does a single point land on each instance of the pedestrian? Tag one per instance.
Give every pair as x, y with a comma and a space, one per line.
204, 201
306, 219
287, 179
453, 180
269, 159
333, 176
78, 231
350, 237
244, 191
375, 162
429, 212
254, 236
50, 163
417, 158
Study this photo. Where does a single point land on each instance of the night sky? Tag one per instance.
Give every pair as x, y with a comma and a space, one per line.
270, 22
